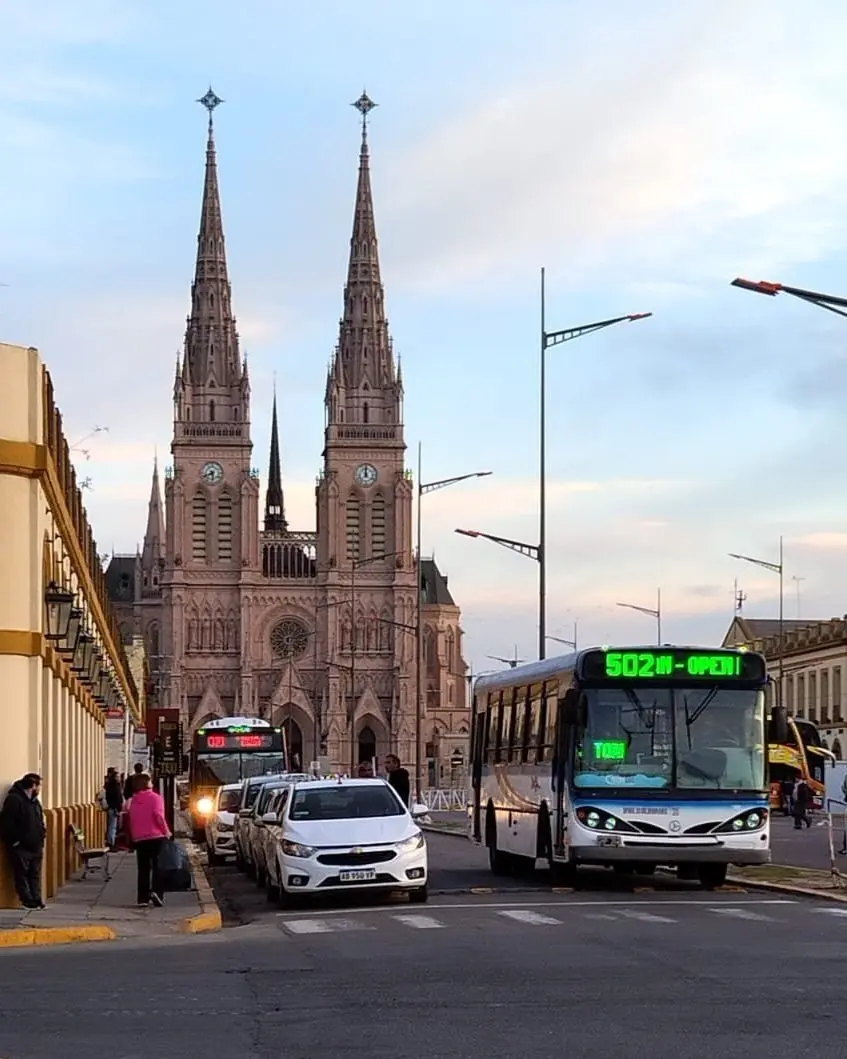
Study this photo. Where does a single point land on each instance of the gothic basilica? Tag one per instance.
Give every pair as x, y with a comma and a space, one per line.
242, 615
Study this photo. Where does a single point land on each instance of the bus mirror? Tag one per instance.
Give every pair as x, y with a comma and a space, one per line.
779, 725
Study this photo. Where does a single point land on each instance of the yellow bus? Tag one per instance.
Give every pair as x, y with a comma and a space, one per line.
802, 754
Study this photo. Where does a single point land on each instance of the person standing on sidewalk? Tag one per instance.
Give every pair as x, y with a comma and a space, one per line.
137, 770
23, 832
149, 831
802, 801
114, 798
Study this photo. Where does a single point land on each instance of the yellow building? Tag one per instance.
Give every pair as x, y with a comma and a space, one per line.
62, 664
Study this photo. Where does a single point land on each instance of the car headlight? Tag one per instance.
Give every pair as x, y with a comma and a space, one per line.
409, 845
223, 828
205, 806
294, 849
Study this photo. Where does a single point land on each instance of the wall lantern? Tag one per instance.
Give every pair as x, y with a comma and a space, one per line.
59, 605
94, 667
68, 645
82, 656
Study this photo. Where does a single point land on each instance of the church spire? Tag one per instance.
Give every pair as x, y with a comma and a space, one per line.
275, 521
212, 365
364, 386
154, 536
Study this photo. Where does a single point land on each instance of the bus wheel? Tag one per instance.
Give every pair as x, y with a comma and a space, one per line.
712, 875
498, 861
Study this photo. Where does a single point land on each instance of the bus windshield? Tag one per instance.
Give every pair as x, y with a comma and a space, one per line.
214, 770
705, 738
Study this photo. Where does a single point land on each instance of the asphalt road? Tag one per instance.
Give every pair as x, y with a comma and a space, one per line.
808, 848
593, 976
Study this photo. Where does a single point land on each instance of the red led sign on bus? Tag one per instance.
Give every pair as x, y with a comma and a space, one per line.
220, 741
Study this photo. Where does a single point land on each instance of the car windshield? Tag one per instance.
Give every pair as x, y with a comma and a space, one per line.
345, 803
690, 738
228, 801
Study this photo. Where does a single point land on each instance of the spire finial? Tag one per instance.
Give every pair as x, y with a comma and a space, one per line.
364, 104
210, 101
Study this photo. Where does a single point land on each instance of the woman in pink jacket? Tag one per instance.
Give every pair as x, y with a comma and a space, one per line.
149, 831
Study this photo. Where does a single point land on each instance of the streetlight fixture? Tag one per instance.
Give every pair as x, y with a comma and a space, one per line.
775, 568
538, 552
652, 612
568, 643
422, 490
58, 606
823, 301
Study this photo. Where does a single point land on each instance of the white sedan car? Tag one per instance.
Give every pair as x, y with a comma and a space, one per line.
219, 824
346, 834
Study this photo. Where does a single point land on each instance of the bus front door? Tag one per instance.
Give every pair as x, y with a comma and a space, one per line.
477, 750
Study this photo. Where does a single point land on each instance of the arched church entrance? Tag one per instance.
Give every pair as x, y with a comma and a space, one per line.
294, 743
367, 744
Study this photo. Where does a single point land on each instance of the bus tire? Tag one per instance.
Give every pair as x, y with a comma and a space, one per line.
498, 861
712, 875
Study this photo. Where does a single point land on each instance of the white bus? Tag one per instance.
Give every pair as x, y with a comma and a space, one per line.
628, 757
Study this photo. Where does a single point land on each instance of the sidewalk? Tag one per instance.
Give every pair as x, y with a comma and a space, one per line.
96, 909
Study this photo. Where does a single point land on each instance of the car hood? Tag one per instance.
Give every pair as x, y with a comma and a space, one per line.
225, 818
382, 830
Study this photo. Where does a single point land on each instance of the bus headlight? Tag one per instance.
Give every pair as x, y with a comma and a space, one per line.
205, 806
600, 820
751, 820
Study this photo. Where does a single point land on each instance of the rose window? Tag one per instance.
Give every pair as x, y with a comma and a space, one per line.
289, 638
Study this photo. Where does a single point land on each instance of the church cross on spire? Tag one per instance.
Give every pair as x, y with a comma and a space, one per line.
364, 104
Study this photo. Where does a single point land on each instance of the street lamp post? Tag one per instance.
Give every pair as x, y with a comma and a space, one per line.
823, 301
775, 568
561, 639
422, 490
538, 552
652, 612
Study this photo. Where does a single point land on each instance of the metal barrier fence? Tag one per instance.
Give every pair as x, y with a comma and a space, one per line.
836, 826
451, 800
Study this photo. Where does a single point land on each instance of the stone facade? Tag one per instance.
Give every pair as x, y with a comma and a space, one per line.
314, 630
814, 661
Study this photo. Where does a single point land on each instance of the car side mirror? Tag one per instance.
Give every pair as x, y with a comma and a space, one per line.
419, 810
270, 818
245, 813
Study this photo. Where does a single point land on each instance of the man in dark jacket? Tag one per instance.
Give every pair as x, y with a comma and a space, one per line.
114, 804
23, 831
398, 777
138, 768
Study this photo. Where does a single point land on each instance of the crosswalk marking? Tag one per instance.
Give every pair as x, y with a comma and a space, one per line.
740, 913
419, 922
324, 926
524, 915
645, 917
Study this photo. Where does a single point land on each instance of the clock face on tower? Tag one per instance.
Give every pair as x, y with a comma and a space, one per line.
212, 473
366, 474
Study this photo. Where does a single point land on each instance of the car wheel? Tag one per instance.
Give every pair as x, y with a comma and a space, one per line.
419, 896
271, 890
286, 899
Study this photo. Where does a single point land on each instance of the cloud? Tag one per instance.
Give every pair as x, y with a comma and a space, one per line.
705, 136
823, 541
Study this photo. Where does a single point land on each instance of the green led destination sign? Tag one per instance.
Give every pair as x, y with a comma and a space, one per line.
673, 664
609, 750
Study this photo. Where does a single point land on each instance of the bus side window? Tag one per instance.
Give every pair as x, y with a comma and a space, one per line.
498, 721
490, 728
510, 711
547, 722
532, 719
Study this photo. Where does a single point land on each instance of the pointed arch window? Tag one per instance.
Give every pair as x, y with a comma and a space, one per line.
353, 525
198, 529
365, 412
451, 651
378, 525
211, 411
225, 527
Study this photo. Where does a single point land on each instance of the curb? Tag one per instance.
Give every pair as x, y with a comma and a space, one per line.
19, 938
209, 919
787, 888
436, 830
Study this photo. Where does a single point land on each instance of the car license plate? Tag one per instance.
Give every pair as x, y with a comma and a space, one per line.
362, 875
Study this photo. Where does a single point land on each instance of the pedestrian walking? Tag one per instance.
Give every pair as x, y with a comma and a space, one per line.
398, 777
802, 801
137, 770
23, 832
149, 831
114, 799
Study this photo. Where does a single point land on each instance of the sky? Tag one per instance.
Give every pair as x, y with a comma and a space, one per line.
645, 154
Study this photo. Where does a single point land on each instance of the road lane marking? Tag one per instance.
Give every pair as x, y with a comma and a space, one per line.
419, 922
560, 905
324, 926
831, 911
645, 917
741, 913
535, 919
601, 915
